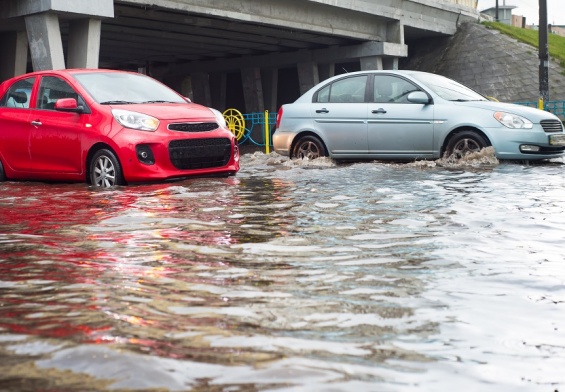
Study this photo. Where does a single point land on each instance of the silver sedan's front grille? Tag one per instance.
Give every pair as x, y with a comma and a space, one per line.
193, 127
552, 125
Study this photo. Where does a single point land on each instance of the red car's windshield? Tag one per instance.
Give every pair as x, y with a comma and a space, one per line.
126, 88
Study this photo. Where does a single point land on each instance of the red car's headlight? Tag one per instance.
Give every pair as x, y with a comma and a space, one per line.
135, 120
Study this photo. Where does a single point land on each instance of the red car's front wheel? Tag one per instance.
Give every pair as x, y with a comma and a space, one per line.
105, 170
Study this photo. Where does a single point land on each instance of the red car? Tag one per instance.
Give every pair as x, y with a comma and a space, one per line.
108, 128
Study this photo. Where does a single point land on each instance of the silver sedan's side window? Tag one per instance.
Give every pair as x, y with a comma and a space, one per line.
18, 95
347, 90
392, 89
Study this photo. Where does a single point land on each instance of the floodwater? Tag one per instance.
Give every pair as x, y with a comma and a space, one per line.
291, 276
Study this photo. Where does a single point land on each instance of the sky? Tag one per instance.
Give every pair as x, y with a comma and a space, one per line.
530, 9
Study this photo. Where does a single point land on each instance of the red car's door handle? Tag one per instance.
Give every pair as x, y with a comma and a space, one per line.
36, 123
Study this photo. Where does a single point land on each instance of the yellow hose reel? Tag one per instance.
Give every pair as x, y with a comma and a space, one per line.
236, 122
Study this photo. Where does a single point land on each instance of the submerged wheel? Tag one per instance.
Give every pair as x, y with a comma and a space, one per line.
2, 173
309, 147
464, 143
105, 170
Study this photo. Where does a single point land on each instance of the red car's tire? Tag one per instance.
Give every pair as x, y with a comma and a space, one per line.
105, 170
2, 173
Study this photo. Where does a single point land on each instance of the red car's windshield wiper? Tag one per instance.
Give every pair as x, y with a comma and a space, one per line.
159, 101
117, 103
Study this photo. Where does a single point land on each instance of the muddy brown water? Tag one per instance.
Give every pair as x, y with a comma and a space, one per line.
291, 276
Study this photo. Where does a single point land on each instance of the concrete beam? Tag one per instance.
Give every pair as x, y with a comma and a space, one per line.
45, 43
14, 47
98, 8
300, 15
277, 60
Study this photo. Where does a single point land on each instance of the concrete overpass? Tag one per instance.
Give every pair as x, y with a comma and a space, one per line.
257, 53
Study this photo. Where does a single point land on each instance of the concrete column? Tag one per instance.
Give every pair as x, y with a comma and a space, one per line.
308, 76
186, 88
270, 78
219, 86
252, 90
201, 88
390, 63
13, 62
45, 42
371, 63
84, 43
326, 71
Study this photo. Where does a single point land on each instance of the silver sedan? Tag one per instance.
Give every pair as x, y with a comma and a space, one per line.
407, 115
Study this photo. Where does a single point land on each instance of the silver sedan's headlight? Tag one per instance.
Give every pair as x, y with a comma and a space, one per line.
513, 121
135, 120
219, 117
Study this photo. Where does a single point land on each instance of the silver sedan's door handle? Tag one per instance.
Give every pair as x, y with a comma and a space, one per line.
36, 123
379, 110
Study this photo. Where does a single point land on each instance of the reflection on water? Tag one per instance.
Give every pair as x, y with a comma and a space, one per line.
291, 276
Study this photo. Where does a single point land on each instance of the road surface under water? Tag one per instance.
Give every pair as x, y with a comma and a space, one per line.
291, 276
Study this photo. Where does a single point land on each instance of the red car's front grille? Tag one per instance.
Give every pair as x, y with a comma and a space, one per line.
191, 154
193, 127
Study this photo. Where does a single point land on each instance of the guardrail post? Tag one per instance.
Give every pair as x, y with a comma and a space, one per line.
267, 136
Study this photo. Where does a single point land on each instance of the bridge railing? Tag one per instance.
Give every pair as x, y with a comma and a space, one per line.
555, 107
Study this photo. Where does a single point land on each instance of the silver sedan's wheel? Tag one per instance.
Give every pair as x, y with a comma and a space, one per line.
309, 147
105, 170
465, 143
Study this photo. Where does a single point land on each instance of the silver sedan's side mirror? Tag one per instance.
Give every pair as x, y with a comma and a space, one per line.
418, 97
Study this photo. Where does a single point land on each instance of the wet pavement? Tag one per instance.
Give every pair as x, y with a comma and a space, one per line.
291, 276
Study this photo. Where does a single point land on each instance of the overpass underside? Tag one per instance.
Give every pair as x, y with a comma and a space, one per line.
254, 54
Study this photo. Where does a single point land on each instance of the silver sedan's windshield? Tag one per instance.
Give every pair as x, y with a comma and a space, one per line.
124, 88
447, 88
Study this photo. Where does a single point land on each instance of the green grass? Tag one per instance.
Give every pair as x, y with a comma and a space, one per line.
531, 37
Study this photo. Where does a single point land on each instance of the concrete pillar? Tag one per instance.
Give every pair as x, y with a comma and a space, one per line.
201, 88
252, 90
308, 76
390, 63
13, 62
186, 88
371, 63
219, 86
326, 71
84, 43
270, 78
45, 42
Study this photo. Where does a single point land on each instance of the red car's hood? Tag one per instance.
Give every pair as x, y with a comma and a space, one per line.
171, 111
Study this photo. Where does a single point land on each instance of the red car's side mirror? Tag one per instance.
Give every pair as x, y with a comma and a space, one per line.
68, 105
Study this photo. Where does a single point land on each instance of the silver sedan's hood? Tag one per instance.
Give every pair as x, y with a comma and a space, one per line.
533, 114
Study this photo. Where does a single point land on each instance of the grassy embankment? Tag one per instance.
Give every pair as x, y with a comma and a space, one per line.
531, 37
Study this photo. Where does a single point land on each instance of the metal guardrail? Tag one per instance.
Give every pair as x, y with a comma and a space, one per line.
555, 107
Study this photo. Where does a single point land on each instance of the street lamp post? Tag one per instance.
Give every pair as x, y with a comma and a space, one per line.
543, 52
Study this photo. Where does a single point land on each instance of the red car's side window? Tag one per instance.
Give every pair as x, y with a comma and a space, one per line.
18, 96
51, 89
